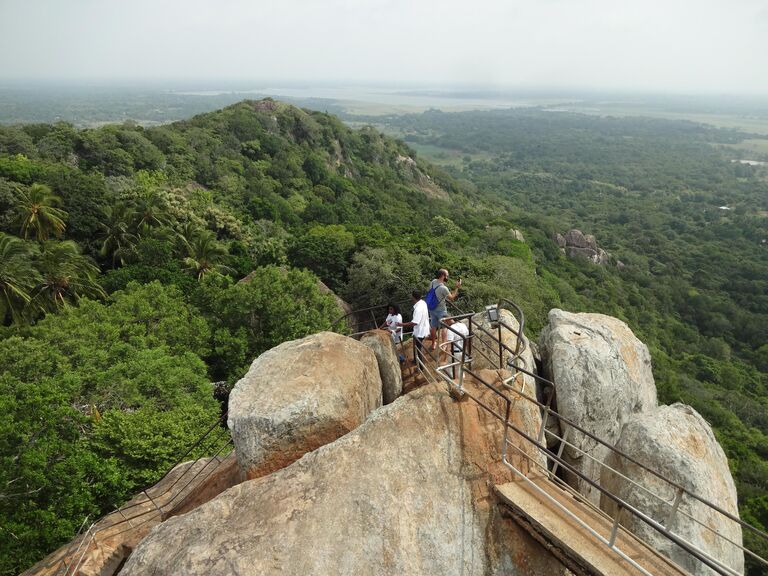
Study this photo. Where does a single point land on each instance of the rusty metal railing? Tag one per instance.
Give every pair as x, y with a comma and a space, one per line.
140, 511
461, 364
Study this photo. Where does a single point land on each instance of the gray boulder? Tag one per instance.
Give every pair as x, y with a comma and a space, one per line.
575, 244
485, 351
603, 377
677, 442
576, 239
380, 341
301, 395
406, 493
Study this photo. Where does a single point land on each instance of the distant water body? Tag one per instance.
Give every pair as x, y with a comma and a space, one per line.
389, 97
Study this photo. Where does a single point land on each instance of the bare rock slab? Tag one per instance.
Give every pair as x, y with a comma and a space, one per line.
406, 493
383, 347
677, 442
485, 351
603, 377
299, 396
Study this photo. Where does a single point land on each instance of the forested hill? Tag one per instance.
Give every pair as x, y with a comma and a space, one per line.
121, 248
120, 254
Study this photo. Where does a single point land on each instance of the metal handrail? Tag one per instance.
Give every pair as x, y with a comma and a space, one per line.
559, 461
353, 319
65, 567
547, 407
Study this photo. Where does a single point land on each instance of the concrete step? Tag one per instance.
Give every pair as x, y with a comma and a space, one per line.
548, 523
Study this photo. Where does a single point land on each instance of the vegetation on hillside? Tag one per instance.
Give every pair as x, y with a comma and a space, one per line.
689, 224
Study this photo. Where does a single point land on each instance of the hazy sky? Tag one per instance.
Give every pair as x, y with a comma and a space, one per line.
653, 45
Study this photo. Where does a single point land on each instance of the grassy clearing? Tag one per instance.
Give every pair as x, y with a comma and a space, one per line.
757, 146
749, 124
445, 156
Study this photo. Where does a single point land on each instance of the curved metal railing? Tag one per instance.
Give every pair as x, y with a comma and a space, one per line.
462, 363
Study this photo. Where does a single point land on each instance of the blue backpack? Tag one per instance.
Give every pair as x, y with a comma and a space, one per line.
431, 299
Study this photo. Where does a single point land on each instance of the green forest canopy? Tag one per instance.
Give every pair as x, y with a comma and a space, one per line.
121, 300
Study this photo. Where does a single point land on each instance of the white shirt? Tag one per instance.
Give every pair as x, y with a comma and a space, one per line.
392, 324
420, 319
456, 339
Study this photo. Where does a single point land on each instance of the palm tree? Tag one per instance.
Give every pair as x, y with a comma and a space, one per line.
205, 254
38, 214
150, 210
18, 277
67, 275
118, 239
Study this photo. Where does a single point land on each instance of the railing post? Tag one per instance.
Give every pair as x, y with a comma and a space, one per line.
464, 345
675, 506
544, 420
560, 449
501, 347
506, 433
615, 528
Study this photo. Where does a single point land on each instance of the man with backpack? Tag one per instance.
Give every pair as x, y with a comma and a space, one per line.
437, 305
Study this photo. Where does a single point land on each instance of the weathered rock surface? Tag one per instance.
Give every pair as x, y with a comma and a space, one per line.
485, 351
677, 442
406, 493
299, 396
576, 244
343, 305
603, 377
380, 341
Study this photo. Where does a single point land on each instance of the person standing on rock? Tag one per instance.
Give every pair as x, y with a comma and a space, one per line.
454, 344
391, 323
440, 310
419, 321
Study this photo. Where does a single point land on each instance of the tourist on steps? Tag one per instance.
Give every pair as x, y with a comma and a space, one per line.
419, 321
440, 311
392, 321
454, 344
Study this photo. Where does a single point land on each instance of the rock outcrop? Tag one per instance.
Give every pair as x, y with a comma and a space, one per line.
603, 377
679, 444
485, 351
109, 542
343, 305
380, 341
406, 493
299, 396
575, 244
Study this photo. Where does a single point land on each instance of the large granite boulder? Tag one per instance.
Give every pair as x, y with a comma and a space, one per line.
576, 244
380, 341
485, 348
485, 354
603, 377
576, 239
677, 442
301, 395
406, 493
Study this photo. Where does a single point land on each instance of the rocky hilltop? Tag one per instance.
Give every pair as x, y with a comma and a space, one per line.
342, 473
575, 244
408, 491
